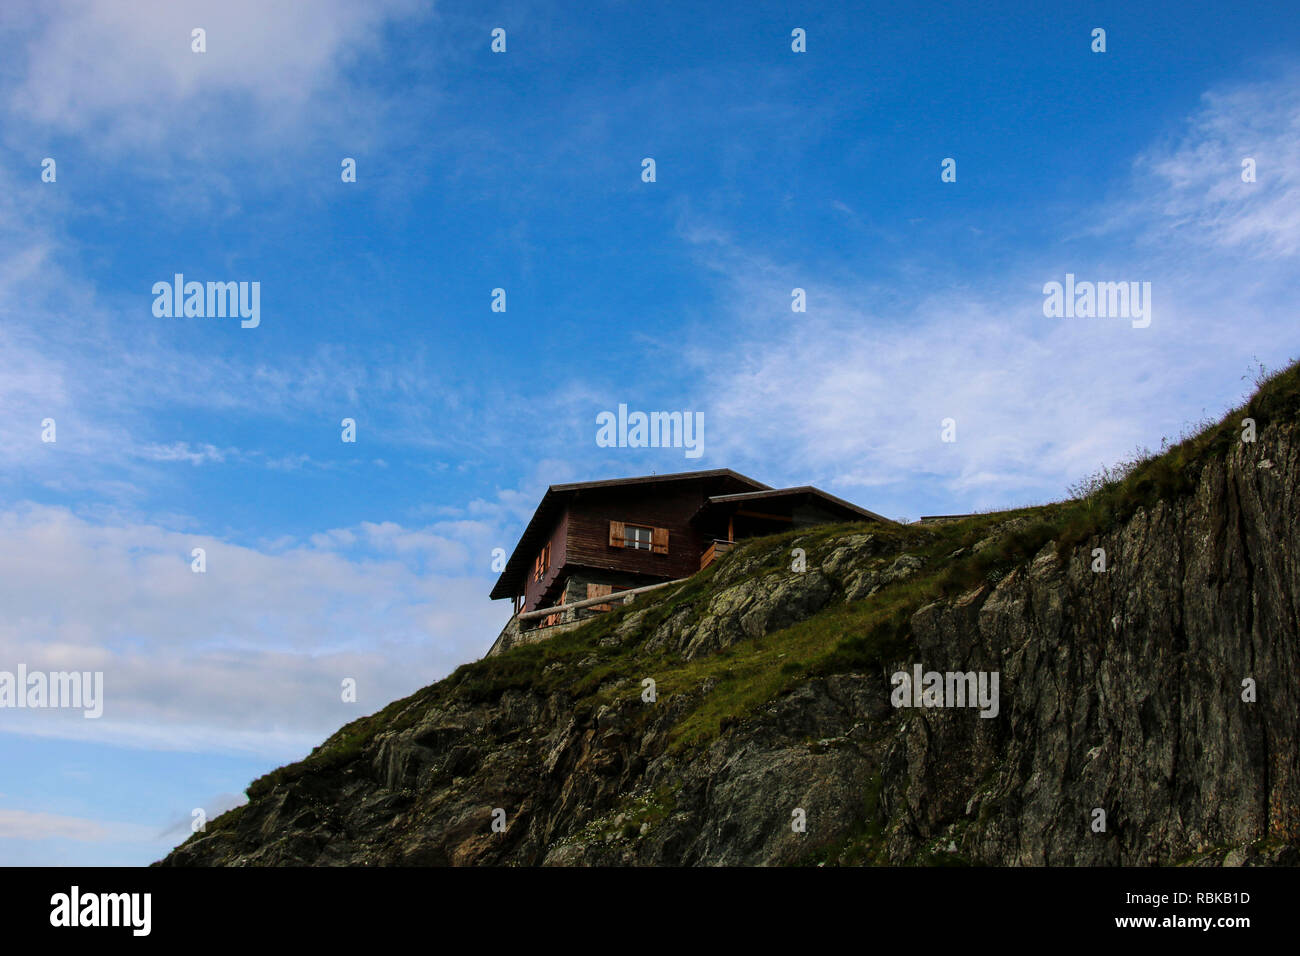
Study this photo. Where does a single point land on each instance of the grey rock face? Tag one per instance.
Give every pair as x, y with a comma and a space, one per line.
1119, 692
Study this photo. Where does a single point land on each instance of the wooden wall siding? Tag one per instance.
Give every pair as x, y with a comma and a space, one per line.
591, 512
586, 534
535, 590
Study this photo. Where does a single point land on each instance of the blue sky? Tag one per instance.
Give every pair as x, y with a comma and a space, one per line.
522, 171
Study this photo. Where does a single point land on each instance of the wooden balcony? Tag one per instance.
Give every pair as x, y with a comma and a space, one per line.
716, 549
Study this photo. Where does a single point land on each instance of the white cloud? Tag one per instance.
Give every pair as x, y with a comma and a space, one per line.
250, 655
184, 451
852, 393
26, 825
1195, 191
125, 72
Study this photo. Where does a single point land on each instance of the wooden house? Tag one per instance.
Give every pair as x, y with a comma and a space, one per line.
595, 538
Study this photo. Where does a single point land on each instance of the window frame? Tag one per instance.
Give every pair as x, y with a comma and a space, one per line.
636, 542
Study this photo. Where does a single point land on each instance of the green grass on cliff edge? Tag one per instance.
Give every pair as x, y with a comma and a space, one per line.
844, 637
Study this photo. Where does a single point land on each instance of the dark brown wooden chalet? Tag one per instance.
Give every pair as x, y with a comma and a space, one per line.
593, 538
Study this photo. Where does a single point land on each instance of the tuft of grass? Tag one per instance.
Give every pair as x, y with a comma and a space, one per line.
1113, 495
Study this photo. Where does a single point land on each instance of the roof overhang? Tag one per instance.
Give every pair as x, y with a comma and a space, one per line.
781, 500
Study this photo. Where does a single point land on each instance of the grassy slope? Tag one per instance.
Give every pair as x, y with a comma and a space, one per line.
844, 637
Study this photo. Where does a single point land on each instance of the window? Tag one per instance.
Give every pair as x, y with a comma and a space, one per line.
637, 537
542, 563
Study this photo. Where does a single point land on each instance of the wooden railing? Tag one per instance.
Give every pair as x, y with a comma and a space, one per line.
617, 597
720, 546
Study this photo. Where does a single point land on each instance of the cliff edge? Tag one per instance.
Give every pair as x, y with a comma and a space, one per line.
1162, 692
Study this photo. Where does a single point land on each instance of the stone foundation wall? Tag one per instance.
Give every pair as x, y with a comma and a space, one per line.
575, 589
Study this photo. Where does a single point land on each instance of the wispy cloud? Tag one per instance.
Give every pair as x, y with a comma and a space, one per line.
127, 74
250, 654
27, 825
853, 392
1193, 192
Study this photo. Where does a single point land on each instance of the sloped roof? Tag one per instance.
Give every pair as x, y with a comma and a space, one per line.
837, 504
557, 497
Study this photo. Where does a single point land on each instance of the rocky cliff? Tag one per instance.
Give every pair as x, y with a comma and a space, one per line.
1147, 712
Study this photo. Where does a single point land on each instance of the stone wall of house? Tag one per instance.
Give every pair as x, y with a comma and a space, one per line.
575, 588
512, 636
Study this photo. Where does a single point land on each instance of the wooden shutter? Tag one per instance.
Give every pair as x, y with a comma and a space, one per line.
600, 590
616, 535
659, 540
